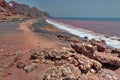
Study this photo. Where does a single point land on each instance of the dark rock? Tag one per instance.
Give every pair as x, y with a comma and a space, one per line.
116, 51
63, 37
20, 64
11, 64
35, 54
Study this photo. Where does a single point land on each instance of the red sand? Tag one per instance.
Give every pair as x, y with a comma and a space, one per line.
21, 38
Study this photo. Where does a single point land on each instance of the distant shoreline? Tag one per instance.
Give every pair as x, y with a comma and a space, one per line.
88, 18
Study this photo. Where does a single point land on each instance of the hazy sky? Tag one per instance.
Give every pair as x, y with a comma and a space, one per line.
77, 8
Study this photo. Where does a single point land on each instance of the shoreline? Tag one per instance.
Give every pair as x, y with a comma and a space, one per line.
41, 48
106, 27
86, 33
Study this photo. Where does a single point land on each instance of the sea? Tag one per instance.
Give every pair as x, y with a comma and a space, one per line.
107, 29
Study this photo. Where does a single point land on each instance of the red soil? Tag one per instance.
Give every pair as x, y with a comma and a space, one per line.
21, 38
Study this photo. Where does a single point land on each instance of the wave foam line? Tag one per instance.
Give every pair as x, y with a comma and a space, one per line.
84, 33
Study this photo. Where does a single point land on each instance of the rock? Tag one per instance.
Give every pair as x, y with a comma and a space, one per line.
53, 54
92, 71
94, 77
74, 39
85, 63
83, 48
35, 54
85, 39
63, 37
36, 61
116, 51
107, 58
91, 52
1, 50
18, 57
100, 46
30, 68
75, 62
11, 64
9, 54
65, 72
20, 64
108, 74
48, 62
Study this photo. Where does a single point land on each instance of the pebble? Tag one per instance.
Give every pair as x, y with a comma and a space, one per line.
1, 50
20, 65
36, 61
30, 68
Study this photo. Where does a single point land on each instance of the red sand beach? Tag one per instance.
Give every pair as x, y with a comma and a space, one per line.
27, 53
16, 37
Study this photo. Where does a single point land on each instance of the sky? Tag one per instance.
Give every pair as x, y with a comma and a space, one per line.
77, 8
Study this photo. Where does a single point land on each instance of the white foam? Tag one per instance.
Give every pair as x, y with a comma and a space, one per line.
85, 33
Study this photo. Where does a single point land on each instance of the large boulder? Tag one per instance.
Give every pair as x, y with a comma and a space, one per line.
91, 52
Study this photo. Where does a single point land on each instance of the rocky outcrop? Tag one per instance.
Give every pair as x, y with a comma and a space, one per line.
83, 63
95, 53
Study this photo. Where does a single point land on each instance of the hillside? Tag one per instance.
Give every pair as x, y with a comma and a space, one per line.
16, 11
